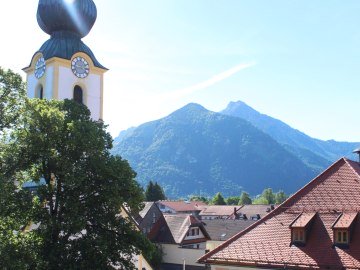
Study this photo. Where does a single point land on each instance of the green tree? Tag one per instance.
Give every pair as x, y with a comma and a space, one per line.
218, 199
77, 209
260, 200
12, 94
234, 200
245, 198
154, 192
280, 197
197, 198
266, 197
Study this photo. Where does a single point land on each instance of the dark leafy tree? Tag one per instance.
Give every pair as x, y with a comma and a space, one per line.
218, 199
74, 218
233, 200
154, 192
245, 198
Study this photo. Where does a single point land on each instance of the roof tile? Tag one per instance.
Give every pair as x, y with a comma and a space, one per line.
267, 242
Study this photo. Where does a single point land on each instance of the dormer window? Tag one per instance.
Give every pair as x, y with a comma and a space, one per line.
298, 235
342, 229
193, 232
342, 237
300, 228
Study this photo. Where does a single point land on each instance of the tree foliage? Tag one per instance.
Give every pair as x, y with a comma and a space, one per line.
198, 198
218, 199
233, 200
12, 93
154, 192
269, 197
75, 216
245, 198
280, 197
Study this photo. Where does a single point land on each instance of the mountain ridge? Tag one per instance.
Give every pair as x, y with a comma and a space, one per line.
313, 151
197, 150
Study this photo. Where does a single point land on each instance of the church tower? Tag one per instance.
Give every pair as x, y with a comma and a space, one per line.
64, 67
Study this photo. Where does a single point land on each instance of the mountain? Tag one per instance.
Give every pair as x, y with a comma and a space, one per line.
315, 153
196, 151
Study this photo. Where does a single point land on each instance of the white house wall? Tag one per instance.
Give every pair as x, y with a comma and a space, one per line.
211, 245
91, 86
192, 237
175, 255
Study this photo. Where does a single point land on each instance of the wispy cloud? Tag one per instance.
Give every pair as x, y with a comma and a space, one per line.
205, 84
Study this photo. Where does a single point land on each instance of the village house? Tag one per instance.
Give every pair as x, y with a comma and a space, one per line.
182, 238
316, 228
253, 212
148, 216
221, 230
181, 207
218, 211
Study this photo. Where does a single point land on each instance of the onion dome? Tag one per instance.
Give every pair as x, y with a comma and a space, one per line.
76, 16
66, 21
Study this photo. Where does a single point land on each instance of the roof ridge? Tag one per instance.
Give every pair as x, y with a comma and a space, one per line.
182, 236
348, 162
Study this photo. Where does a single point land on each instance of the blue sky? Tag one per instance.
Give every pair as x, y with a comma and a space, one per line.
297, 61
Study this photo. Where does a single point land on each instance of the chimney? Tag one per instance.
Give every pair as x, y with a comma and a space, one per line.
357, 151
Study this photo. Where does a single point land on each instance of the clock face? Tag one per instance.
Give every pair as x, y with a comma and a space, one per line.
40, 67
80, 67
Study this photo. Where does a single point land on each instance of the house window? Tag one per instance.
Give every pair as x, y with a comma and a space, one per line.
41, 92
154, 218
298, 235
341, 237
78, 94
193, 232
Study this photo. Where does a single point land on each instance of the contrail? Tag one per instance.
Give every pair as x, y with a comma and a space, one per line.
205, 84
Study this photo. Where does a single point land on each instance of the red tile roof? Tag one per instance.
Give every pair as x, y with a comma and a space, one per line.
182, 206
345, 221
267, 243
252, 210
303, 220
219, 210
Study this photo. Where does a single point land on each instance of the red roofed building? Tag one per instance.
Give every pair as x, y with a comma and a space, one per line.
317, 228
181, 207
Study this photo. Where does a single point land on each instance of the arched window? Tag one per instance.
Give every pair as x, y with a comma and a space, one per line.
39, 92
78, 94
